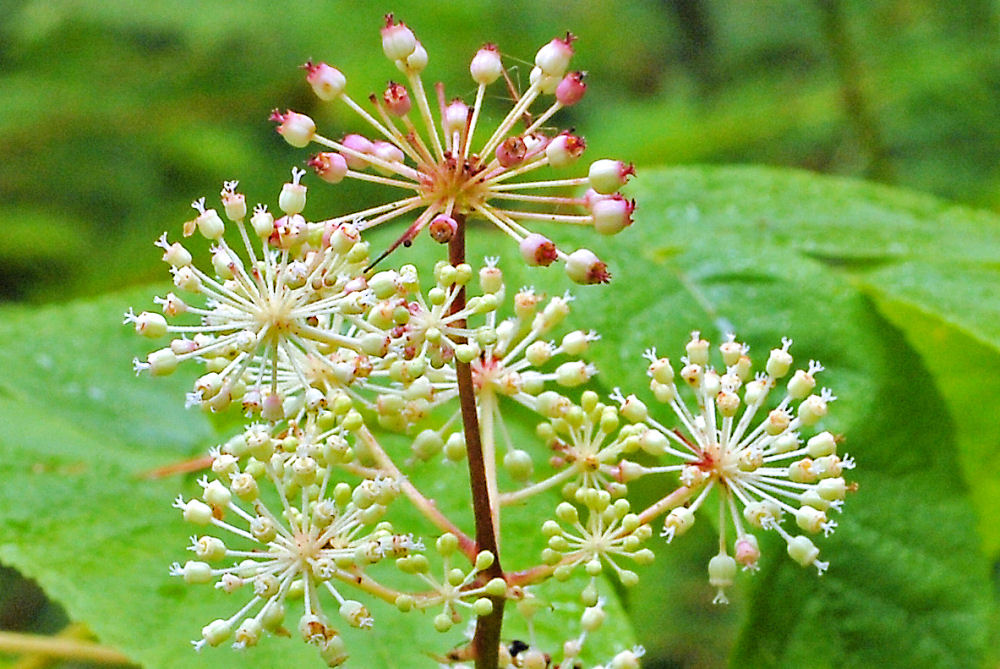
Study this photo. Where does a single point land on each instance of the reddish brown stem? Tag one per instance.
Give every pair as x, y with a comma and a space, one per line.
486, 641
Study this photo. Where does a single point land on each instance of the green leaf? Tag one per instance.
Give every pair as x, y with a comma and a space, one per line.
768, 253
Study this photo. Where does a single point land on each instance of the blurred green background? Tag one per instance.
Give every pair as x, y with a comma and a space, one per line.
115, 115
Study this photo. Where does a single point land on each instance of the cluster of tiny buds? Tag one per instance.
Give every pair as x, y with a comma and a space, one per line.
451, 175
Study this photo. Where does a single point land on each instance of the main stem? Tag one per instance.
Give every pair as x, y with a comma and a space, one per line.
486, 641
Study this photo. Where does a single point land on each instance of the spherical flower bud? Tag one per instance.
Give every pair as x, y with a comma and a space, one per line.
196, 512
538, 250
210, 225
553, 58
175, 254
747, 551
812, 409
801, 384
330, 167
326, 81
456, 117
355, 144
292, 199
634, 410
570, 374
564, 149
491, 279
397, 99
486, 66
821, 444
415, 62
677, 522
442, 228
216, 494
234, 203
607, 176
194, 572
582, 266
216, 632
149, 324
802, 550
721, 571
387, 152
518, 464
571, 89
262, 222
546, 83
592, 618
398, 41
576, 342
511, 151
297, 129
612, 214
779, 362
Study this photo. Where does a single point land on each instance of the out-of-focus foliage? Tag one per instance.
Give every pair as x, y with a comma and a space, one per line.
115, 115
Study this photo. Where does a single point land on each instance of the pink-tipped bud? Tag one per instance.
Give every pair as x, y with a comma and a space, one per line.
612, 214
357, 144
511, 151
571, 89
397, 99
564, 149
591, 196
443, 228
398, 41
607, 176
288, 232
582, 266
486, 66
456, 117
747, 551
341, 237
538, 250
327, 82
390, 153
553, 58
297, 129
330, 167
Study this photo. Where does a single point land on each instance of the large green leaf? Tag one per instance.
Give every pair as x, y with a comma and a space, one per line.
769, 253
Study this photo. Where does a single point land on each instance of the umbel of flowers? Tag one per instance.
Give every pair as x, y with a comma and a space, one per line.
325, 353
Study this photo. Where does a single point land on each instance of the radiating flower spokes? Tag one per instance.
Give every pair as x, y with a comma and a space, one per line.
450, 173
759, 469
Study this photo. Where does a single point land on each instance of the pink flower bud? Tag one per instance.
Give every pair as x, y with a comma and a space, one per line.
442, 228
564, 149
398, 41
330, 167
553, 58
571, 89
390, 153
486, 66
360, 144
612, 214
397, 99
538, 250
582, 266
607, 176
327, 82
297, 129
511, 151
747, 552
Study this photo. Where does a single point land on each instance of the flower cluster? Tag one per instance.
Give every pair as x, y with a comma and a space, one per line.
326, 354
451, 170
761, 470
